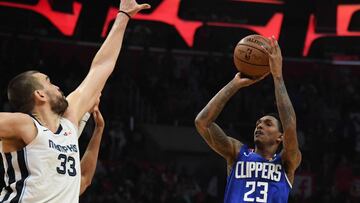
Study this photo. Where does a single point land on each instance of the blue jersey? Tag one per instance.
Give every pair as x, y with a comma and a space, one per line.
255, 179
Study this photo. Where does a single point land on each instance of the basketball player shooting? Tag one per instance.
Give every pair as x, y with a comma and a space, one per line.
39, 152
258, 175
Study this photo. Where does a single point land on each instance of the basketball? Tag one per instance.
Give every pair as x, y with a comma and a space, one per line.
249, 57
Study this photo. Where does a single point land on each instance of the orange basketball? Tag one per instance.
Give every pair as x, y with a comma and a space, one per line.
250, 58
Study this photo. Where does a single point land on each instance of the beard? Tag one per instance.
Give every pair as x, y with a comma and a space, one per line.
59, 105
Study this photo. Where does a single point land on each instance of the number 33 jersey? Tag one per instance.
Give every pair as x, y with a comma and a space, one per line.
46, 170
255, 179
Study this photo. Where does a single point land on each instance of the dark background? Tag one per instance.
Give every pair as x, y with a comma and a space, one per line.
150, 151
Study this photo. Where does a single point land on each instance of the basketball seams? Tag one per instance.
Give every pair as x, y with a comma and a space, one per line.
249, 63
253, 47
251, 59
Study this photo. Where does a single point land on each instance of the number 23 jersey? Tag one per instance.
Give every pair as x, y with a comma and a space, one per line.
46, 170
255, 179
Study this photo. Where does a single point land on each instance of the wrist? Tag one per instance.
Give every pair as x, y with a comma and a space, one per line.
235, 84
122, 12
277, 76
99, 128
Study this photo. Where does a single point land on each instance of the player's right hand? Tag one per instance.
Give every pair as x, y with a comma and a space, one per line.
244, 82
132, 7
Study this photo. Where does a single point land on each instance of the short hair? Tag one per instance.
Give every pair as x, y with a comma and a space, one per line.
275, 115
21, 89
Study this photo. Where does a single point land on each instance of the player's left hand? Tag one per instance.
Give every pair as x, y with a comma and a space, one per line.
244, 82
275, 57
132, 7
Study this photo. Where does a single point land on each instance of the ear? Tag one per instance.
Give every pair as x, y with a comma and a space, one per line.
40, 95
280, 137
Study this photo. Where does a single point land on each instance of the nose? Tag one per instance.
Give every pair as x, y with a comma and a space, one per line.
259, 126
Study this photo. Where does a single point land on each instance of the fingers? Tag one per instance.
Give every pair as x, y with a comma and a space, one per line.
266, 50
95, 115
274, 46
145, 6
264, 76
277, 47
260, 78
273, 43
132, 7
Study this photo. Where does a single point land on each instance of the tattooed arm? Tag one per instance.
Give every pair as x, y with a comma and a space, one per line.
291, 154
214, 136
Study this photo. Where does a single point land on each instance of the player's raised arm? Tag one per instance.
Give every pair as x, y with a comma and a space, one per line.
214, 136
84, 97
291, 154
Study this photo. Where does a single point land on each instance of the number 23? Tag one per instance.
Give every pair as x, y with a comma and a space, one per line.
253, 186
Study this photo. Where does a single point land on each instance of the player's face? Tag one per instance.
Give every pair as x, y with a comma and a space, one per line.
267, 131
55, 96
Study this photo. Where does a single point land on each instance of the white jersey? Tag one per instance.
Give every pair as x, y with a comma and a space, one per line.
46, 170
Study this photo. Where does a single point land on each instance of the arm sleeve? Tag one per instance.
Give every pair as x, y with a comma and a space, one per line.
83, 122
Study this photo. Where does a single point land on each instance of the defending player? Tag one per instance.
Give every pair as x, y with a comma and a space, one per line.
89, 159
258, 175
40, 153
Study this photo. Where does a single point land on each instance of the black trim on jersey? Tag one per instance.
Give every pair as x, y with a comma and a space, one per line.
24, 174
8, 193
60, 128
11, 174
2, 173
58, 131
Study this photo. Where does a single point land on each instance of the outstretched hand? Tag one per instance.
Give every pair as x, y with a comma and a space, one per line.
131, 7
275, 57
244, 82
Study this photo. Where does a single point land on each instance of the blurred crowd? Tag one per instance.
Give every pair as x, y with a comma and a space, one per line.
170, 87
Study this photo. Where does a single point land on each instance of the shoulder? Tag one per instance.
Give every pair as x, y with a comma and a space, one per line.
16, 125
240, 150
245, 150
17, 119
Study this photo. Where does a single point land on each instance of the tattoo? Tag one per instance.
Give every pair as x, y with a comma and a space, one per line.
292, 155
217, 103
285, 108
210, 131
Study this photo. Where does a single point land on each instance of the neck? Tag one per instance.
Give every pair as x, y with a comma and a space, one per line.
267, 152
47, 118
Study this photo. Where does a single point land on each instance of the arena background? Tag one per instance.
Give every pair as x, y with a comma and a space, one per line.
175, 57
